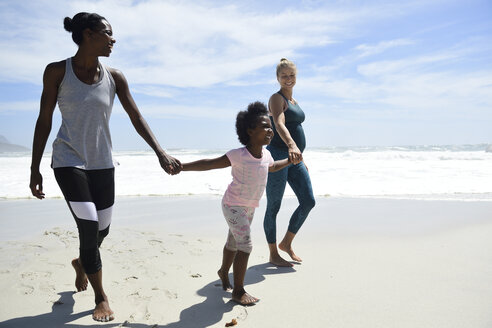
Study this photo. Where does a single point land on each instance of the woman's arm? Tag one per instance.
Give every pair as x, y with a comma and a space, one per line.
168, 163
207, 164
276, 106
278, 165
52, 77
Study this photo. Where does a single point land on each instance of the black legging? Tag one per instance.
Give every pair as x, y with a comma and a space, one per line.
90, 197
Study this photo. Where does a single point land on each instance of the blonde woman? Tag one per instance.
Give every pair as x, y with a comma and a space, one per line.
288, 142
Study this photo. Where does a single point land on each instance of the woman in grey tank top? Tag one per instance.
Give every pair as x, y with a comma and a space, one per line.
84, 90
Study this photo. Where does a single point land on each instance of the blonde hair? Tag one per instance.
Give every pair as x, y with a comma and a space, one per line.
285, 63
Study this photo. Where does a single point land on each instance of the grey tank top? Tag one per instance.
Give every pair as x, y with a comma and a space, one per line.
83, 140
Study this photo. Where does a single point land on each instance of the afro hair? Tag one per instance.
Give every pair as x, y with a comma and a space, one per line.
247, 119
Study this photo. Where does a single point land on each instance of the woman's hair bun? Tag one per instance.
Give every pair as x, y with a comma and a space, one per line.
67, 24
80, 22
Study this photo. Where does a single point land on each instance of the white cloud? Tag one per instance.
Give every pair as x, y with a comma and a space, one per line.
165, 47
196, 46
182, 111
16, 106
430, 85
181, 44
413, 64
417, 95
369, 50
153, 90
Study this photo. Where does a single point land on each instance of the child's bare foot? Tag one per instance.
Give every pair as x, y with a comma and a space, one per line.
224, 277
277, 260
243, 298
288, 249
102, 312
80, 276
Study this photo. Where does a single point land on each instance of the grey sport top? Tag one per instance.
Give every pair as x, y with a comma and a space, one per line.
294, 116
83, 140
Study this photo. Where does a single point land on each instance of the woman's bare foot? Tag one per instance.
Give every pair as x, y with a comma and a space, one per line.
288, 249
80, 276
224, 277
275, 257
102, 312
277, 260
243, 298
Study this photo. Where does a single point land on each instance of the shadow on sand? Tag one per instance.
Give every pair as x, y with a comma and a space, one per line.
60, 316
204, 314
213, 308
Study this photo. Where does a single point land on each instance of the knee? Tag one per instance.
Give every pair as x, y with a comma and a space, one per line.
308, 203
231, 246
273, 206
101, 235
247, 248
90, 260
245, 245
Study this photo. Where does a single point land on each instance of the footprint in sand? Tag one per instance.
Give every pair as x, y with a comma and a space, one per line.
154, 242
35, 246
66, 237
47, 288
243, 313
59, 265
196, 252
34, 275
171, 295
26, 289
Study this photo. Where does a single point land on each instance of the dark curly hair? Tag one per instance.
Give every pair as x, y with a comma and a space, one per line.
247, 119
80, 22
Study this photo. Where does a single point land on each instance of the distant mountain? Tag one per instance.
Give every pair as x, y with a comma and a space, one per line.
7, 147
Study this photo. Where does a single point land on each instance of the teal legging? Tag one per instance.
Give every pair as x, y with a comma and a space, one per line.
298, 178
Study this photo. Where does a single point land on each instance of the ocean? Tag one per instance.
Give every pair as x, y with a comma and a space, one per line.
462, 172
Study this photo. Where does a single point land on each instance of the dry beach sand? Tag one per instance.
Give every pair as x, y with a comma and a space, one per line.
366, 263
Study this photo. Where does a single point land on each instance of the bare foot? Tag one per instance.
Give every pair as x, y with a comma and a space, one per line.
224, 277
277, 260
80, 276
102, 312
288, 249
244, 298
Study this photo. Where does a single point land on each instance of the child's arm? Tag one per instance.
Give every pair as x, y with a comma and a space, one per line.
278, 165
207, 164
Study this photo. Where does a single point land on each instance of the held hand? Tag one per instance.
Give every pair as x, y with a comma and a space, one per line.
295, 155
36, 185
170, 164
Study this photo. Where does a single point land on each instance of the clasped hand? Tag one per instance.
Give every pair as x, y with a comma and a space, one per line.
295, 155
170, 164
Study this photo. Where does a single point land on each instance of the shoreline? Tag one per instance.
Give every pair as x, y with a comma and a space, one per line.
28, 218
458, 196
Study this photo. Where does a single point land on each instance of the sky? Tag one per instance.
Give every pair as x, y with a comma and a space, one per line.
369, 73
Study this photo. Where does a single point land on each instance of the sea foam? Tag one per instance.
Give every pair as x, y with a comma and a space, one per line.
423, 172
